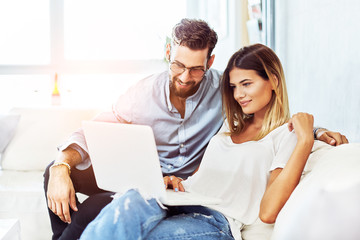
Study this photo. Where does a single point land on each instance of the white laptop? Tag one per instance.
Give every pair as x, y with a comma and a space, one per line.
124, 156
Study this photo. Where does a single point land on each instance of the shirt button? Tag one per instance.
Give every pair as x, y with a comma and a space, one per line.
182, 145
169, 166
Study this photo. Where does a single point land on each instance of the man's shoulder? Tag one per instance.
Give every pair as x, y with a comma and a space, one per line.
214, 73
145, 88
154, 79
214, 76
147, 85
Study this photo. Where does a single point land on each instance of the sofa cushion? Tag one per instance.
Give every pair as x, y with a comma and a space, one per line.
329, 185
8, 124
39, 132
22, 197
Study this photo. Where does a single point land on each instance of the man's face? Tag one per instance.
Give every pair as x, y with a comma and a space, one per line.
184, 84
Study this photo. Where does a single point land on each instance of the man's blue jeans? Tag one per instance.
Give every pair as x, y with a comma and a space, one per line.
132, 217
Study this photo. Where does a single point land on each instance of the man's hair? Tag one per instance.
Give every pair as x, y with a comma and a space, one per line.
267, 65
194, 34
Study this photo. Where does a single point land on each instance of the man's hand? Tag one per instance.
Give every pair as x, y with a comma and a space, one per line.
332, 138
61, 193
174, 183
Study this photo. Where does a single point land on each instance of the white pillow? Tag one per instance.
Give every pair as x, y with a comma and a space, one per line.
39, 132
8, 125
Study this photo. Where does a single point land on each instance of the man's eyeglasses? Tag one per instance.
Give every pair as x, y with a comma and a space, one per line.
195, 72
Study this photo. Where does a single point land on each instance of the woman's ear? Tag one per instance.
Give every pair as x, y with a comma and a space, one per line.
276, 81
168, 51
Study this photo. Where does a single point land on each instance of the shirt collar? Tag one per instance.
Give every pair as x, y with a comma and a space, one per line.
194, 97
167, 93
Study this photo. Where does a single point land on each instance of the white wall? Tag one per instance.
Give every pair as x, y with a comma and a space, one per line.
318, 42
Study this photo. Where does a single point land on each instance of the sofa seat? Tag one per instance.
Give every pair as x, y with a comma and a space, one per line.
23, 193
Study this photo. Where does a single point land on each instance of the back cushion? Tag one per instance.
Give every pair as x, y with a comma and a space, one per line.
39, 132
310, 212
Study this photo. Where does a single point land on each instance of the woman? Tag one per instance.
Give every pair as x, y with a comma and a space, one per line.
253, 168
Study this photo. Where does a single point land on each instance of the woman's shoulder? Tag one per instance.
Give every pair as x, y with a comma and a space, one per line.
280, 133
220, 137
283, 129
283, 136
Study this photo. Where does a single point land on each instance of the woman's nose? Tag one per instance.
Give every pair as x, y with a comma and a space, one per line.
239, 93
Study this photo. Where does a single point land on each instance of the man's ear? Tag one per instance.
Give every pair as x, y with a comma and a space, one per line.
168, 51
210, 61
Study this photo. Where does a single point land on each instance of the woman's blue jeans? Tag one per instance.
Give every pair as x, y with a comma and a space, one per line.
132, 217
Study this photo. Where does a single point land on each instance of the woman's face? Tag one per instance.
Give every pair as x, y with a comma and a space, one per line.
251, 91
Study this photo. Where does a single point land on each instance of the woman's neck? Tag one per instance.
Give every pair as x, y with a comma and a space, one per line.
256, 121
251, 129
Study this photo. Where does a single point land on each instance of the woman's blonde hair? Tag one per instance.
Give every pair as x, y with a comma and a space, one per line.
264, 61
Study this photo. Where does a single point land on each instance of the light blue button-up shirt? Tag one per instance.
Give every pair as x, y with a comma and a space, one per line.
181, 142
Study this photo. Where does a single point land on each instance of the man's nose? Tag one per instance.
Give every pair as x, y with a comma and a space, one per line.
185, 76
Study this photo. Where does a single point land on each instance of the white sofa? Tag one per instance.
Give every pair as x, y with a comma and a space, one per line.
40, 130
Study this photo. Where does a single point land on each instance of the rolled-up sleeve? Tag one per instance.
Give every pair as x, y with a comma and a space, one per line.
77, 140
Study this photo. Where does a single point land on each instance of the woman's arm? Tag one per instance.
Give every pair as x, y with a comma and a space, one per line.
282, 182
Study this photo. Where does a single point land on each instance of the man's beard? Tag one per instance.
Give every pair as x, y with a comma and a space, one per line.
182, 92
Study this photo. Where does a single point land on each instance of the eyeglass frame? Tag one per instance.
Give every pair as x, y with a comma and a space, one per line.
188, 68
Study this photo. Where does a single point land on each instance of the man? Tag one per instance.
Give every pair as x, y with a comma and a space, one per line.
183, 106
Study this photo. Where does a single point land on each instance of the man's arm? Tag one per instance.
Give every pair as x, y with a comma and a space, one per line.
332, 138
61, 192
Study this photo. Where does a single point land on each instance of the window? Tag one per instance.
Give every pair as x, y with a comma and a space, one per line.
98, 48
118, 30
25, 32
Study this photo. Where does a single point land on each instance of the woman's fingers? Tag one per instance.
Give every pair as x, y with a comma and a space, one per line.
166, 182
181, 187
174, 183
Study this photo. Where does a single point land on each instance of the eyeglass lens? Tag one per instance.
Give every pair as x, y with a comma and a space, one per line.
194, 72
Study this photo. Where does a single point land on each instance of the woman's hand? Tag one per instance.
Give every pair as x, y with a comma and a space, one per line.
174, 183
303, 124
